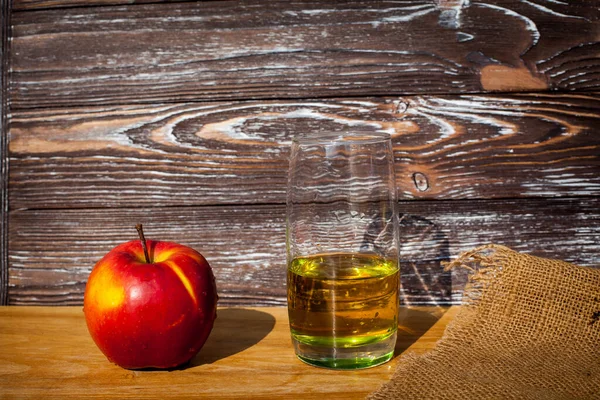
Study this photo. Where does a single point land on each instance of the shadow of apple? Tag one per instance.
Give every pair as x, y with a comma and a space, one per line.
235, 330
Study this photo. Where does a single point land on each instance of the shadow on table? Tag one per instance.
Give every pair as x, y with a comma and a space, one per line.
235, 330
413, 323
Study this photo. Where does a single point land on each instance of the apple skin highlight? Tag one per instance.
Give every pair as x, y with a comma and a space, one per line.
150, 315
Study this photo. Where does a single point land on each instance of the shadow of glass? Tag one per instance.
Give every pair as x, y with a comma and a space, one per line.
412, 325
425, 246
235, 330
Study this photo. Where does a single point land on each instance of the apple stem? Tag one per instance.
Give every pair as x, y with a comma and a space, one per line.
143, 240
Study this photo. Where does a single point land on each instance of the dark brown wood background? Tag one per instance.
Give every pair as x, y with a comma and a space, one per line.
179, 115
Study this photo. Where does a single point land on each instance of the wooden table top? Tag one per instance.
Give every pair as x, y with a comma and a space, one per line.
46, 352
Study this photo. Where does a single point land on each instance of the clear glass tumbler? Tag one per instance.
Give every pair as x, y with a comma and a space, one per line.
342, 249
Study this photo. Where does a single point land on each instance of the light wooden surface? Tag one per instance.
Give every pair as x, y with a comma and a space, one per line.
46, 352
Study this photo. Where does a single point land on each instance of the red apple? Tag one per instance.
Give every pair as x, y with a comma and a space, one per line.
150, 304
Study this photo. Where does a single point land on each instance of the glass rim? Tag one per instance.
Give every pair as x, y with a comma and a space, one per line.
341, 138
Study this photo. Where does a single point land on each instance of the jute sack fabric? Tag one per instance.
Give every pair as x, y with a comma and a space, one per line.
529, 328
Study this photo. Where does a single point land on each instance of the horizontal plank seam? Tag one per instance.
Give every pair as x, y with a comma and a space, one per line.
19, 10
16, 109
242, 205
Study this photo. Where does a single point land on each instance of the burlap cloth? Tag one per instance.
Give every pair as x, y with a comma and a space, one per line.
529, 328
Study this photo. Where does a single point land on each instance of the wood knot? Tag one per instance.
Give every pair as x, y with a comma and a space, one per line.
420, 181
400, 106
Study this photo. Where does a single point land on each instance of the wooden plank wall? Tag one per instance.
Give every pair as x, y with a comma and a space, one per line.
5, 24
179, 115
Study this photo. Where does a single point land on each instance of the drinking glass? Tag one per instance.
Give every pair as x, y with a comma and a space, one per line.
342, 249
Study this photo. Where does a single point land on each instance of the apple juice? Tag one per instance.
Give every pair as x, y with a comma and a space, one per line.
344, 302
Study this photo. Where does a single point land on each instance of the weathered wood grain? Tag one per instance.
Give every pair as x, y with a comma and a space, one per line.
53, 251
156, 113
432, 232
246, 248
25, 5
446, 147
257, 49
5, 33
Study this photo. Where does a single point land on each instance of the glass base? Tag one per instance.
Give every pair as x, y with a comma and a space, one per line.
347, 357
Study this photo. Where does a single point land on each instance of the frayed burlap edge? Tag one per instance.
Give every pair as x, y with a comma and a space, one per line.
486, 264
